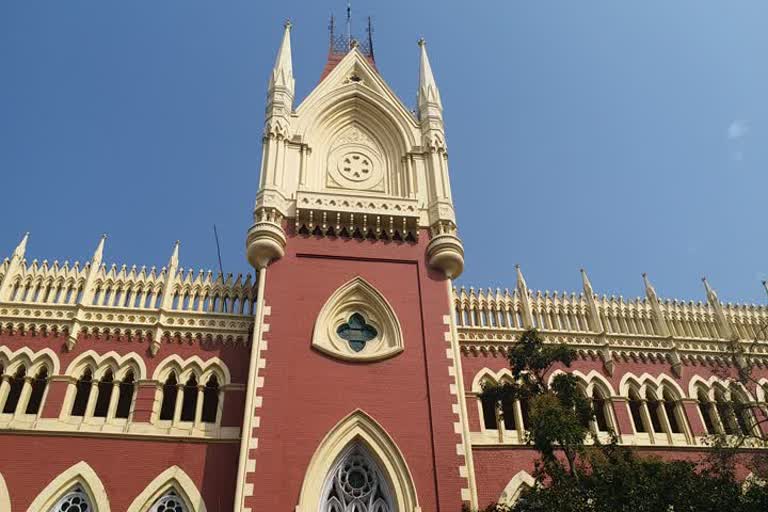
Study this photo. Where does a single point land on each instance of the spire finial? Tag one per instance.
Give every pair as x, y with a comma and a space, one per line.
282, 74
765, 285
287, 24
429, 95
98, 254
587, 285
711, 295
20, 249
174, 261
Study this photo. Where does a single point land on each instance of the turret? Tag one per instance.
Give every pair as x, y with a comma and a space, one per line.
445, 250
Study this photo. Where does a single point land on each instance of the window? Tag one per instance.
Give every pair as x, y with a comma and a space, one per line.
599, 406
189, 403
489, 412
15, 385
171, 502
169, 398
707, 412
671, 408
635, 409
104, 395
508, 410
83, 393
725, 411
525, 409
355, 483
654, 410
211, 400
126, 396
38, 389
74, 501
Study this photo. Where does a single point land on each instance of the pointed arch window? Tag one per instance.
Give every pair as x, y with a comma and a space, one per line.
356, 483
82, 394
189, 402
671, 407
170, 390
74, 501
38, 389
600, 407
104, 395
15, 386
636, 411
211, 400
170, 502
707, 411
126, 396
489, 405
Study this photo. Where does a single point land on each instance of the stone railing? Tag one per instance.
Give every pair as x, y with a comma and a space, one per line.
605, 327
135, 302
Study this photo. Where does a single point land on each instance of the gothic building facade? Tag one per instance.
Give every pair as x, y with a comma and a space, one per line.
344, 375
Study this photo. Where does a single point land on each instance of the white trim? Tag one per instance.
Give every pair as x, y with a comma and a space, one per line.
99, 363
172, 478
5, 496
82, 474
512, 490
361, 428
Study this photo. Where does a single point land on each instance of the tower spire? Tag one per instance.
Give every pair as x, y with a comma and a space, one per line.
282, 74
18, 253
429, 95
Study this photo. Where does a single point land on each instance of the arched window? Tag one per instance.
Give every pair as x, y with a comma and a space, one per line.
508, 410
355, 483
599, 406
211, 400
489, 412
83, 393
725, 411
707, 412
170, 391
741, 411
654, 410
104, 395
16, 384
38, 389
636, 411
170, 502
525, 410
671, 408
189, 403
74, 501
126, 396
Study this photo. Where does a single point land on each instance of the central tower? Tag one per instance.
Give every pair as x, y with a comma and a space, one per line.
355, 241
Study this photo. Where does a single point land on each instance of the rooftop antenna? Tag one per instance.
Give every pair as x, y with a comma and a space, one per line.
349, 23
221, 267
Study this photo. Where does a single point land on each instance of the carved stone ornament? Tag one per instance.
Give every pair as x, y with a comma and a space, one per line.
354, 162
357, 324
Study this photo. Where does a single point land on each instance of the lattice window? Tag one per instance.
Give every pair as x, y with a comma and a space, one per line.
74, 501
356, 484
170, 502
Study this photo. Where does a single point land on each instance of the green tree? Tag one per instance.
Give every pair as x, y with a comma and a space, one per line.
574, 475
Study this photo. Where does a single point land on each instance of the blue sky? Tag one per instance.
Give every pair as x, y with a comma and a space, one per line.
621, 137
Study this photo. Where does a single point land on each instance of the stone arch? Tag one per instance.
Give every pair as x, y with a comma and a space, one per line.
99, 363
515, 487
358, 296
80, 474
185, 367
173, 478
30, 359
486, 374
5, 496
642, 382
360, 428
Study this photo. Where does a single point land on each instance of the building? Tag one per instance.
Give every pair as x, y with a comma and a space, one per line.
345, 375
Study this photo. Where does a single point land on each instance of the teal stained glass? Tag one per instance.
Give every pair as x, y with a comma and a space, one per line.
356, 332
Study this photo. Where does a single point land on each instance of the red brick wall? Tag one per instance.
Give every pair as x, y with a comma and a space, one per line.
306, 393
125, 466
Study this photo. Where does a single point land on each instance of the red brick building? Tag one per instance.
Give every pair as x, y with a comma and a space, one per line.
345, 376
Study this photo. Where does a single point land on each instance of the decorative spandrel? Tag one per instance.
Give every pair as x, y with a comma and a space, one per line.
357, 332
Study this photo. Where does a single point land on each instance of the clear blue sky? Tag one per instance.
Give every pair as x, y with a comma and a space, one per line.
619, 136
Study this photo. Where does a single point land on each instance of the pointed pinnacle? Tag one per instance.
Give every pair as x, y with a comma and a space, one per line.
765, 285
711, 295
428, 91
585, 282
520, 279
98, 254
174, 261
22, 247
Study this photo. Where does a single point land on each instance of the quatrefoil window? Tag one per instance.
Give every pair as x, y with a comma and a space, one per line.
356, 332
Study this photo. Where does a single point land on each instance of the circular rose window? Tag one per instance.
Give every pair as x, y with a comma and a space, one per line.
355, 166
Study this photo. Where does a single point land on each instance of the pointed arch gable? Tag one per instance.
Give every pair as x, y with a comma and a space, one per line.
172, 478
358, 296
82, 474
486, 374
359, 427
5, 497
112, 359
515, 486
194, 363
